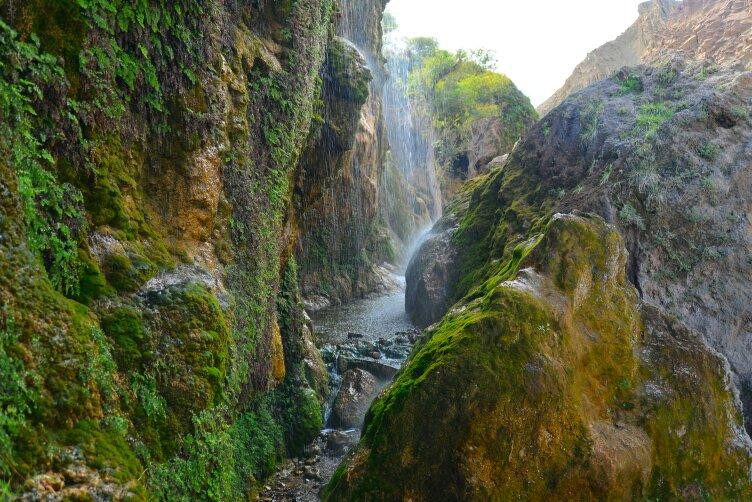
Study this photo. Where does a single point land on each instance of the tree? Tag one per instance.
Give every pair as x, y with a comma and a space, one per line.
388, 23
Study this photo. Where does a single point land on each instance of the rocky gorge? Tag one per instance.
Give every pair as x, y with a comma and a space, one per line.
266, 250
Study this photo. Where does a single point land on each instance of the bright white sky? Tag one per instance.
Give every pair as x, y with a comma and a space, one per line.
537, 42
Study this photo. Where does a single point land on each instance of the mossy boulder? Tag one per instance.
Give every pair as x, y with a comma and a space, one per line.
660, 152
551, 380
190, 346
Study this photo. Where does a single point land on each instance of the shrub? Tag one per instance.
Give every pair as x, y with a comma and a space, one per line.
651, 117
53, 211
632, 84
630, 216
709, 151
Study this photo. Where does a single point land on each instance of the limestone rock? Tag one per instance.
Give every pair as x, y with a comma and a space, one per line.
430, 277
716, 31
355, 395
546, 371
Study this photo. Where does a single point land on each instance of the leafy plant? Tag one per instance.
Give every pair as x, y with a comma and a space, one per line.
740, 113
709, 151
630, 216
17, 397
145, 388
651, 117
53, 211
591, 120
632, 84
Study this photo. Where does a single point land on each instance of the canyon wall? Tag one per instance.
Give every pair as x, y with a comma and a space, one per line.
153, 337
713, 30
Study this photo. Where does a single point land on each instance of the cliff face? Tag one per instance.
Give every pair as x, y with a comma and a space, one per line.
358, 209
152, 330
339, 247
713, 30
595, 279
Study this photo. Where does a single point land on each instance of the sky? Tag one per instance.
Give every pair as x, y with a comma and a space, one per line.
537, 42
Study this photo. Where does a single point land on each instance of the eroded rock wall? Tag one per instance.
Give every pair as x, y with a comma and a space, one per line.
357, 211
152, 329
712, 30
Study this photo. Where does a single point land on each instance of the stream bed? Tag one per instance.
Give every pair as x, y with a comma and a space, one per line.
363, 343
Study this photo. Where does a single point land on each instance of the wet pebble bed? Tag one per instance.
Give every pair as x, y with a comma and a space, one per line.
373, 336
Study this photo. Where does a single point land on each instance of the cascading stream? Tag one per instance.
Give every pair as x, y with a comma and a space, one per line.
363, 343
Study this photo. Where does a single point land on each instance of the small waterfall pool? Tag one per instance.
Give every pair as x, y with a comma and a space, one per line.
374, 318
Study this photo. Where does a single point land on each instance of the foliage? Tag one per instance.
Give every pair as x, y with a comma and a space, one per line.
167, 35
17, 392
457, 90
632, 84
709, 151
221, 462
591, 119
388, 23
631, 217
52, 210
145, 388
651, 117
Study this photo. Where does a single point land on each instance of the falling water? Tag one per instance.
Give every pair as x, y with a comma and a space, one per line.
410, 135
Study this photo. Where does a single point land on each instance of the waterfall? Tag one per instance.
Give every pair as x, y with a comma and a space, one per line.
410, 134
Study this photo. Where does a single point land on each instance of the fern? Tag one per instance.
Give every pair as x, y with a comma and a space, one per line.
49, 207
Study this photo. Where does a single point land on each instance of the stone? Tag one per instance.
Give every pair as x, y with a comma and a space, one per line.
337, 442
384, 370
356, 392
430, 277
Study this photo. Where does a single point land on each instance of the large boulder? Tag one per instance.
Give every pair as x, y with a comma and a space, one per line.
430, 277
355, 395
554, 382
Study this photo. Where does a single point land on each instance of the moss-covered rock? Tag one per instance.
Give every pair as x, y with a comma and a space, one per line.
564, 366
553, 381
147, 218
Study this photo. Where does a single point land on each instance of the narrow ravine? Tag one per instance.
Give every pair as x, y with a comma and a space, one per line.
363, 344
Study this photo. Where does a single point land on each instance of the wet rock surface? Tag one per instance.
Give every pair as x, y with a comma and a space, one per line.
362, 345
431, 276
358, 389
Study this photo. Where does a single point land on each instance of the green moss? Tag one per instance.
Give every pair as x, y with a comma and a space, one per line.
102, 113
93, 284
351, 76
516, 388
300, 413
104, 450
124, 326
